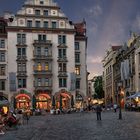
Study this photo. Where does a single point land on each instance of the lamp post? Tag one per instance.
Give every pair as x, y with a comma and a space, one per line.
119, 95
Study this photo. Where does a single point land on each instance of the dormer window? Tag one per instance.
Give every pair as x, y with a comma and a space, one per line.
41, 2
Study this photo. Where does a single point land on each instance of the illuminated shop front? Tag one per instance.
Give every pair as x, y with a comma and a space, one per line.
22, 101
63, 98
79, 101
4, 104
43, 101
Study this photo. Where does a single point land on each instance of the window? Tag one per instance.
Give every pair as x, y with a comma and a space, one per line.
42, 38
21, 51
46, 66
41, 2
21, 83
38, 51
29, 23
39, 81
46, 51
45, 12
77, 46
37, 24
2, 43
46, 82
62, 67
21, 67
2, 84
77, 70
77, 57
61, 39
45, 24
53, 24
2, 56
37, 12
2, 70
62, 53
21, 38
39, 67
62, 82
77, 83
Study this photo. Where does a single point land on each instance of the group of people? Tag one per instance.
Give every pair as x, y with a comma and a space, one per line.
12, 119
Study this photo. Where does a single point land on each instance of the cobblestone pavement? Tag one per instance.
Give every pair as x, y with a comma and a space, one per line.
79, 126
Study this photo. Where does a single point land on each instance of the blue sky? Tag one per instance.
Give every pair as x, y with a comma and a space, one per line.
109, 22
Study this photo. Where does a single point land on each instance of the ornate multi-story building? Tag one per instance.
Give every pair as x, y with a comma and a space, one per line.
46, 56
108, 77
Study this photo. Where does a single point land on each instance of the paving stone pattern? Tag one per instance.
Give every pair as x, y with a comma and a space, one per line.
79, 126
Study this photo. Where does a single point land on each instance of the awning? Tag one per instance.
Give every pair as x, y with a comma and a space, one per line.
4, 103
137, 94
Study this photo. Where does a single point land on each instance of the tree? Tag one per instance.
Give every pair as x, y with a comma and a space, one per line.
98, 86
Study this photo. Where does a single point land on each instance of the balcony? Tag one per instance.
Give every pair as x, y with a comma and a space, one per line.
42, 86
21, 58
42, 72
42, 42
21, 73
62, 46
42, 57
62, 59
62, 74
20, 44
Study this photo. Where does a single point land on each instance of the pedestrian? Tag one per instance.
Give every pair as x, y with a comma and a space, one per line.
1, 125
98, 112
115, 107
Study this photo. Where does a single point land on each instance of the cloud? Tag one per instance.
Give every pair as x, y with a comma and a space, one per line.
94, 11
94, 59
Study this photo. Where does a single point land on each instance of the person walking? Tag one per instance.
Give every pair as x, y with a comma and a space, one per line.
115, 107
98, 112
1, 125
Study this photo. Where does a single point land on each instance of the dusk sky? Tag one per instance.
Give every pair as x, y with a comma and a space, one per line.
109, 22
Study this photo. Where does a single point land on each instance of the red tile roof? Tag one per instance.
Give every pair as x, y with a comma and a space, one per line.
115, 48
80, 28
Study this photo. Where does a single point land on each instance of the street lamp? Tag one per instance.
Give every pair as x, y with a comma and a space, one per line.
119, 95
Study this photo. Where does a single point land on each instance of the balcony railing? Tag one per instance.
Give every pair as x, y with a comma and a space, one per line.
62, 59
42, 57
42, 72
21, 57
42, 42
62, 74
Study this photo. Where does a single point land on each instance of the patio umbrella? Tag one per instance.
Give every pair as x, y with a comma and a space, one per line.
72, 101
34, 102
53, 102
60, 102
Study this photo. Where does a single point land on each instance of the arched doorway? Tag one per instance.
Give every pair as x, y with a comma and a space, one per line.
63, 100
79, 100
43, 101
4, 104
22, 101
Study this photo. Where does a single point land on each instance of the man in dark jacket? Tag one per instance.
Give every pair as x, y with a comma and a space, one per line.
98, 112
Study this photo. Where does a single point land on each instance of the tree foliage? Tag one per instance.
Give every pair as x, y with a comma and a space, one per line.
98, 86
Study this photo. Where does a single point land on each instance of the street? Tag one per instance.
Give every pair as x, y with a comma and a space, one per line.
79, 126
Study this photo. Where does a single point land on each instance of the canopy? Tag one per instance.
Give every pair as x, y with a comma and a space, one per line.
137, 94
4, 103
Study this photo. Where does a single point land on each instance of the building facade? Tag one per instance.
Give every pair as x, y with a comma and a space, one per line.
46, 56
108, 78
